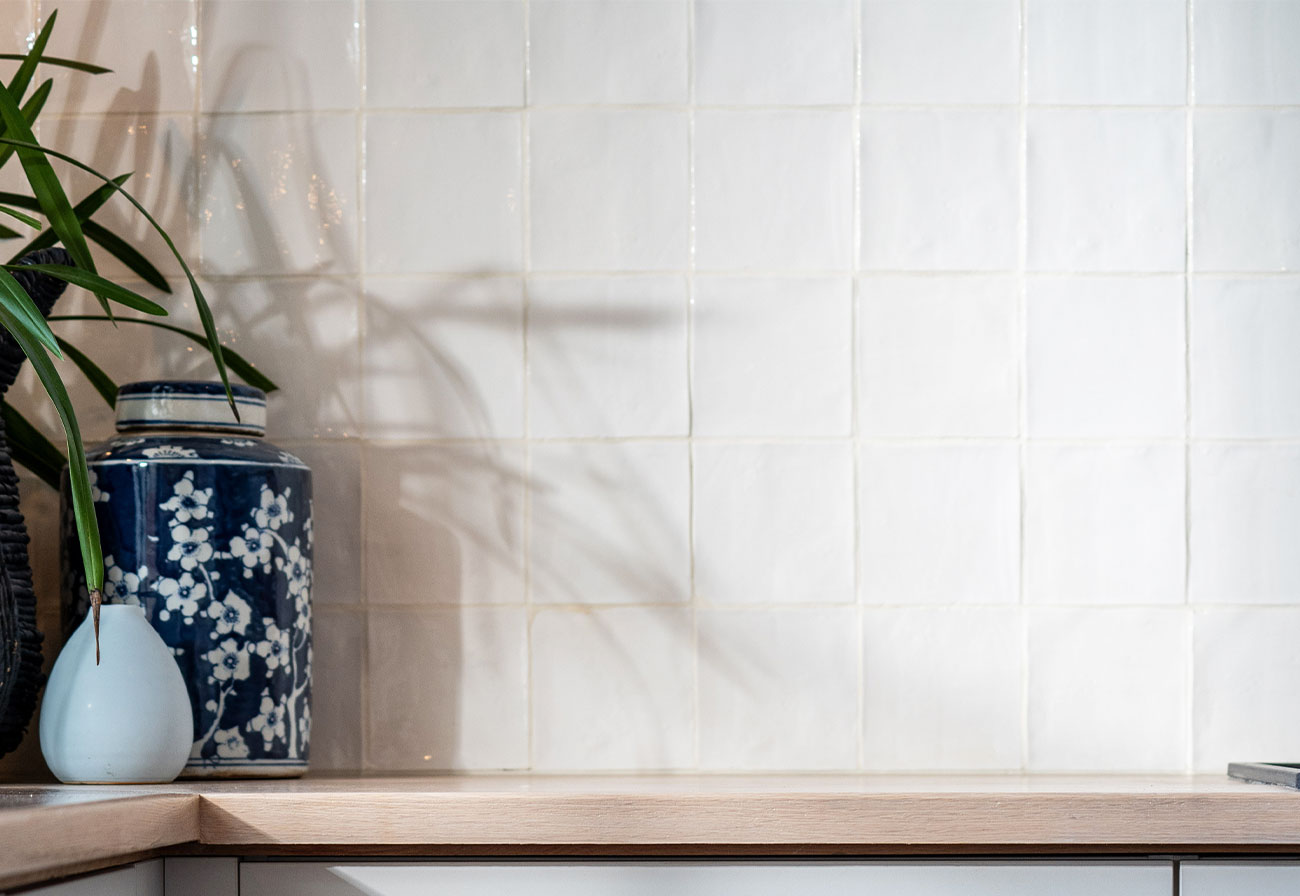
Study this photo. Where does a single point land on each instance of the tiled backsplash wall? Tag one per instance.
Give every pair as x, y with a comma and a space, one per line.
807, 384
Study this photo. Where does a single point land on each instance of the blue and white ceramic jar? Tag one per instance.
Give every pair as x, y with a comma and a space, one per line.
208, 527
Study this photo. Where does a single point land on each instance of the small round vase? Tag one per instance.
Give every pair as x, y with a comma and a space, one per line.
126, 720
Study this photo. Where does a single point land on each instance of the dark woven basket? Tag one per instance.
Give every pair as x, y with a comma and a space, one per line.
20, 641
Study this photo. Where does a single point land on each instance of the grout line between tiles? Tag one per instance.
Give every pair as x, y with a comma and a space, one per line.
526, 253
691, 225
855, 364
1022, 390
1189, 220
363, 292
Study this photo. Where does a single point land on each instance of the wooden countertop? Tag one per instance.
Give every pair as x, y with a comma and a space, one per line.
47, 830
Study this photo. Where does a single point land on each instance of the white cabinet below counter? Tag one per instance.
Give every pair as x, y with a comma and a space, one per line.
1239, 878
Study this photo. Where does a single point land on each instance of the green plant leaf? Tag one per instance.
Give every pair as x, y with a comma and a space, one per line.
14, 298
87, 67
200, 303
31, 109
23, 77
29, 447
242, 368
83, 507
106, 288
102, 382
14, 213
7, 233
126, 253
88, 205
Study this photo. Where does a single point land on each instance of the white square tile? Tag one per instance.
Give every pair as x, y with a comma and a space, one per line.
338, 664
773, 52
1244, 366
637, 713
938, 356
772, 357
465, 171
160, 154
940, 190
280, 55
940, 524
1106, 356
1245, 522
1245, 666
444, 358
1108, 690
1108, 52
607, 357
148, 45
941, 688
774, 523
1245, 53
773, 190
1104, 525
278, 194
444, 524
448, 689
1107, 190
445, 54
778, 689
607, 51
336, 519
609, 189
1244, 183
609, 523
940, 51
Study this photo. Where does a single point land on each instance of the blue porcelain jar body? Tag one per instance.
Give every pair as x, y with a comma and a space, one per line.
208, 527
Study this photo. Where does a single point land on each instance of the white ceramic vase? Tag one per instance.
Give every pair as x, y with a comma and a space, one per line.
126, 720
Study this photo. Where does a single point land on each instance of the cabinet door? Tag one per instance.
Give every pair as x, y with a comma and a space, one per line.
143, 879
1241, 878
1020, 878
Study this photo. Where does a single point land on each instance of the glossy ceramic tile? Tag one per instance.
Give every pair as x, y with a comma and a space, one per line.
338, 656
939, 524
607, 357
443, 357
941, 688
1244, 52
1108, 52
940, 190
772, 357
607, 51
279, 55
609, 523
336, 517
150, 47
1243, 652
773, 190
1108, 689
608, 189
778, 689
1245, 512
1088, 377
940, 51
1107, 190
447, 689
1243, 178
774, 52
773, 523
444, 524
464, 172
1244, 368
1104, 525
953, 342
278, 194
637, 713
453, 53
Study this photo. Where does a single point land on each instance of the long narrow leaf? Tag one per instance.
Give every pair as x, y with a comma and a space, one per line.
102, 382
87, 67
83, 507
16, 300
106, 288
88, 205
23, 77
127, 254
236, 362
200, 303
8, 233
19, 216
31, 109
46, 187
29, 447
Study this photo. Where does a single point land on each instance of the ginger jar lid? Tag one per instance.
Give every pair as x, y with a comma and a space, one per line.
189, 405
